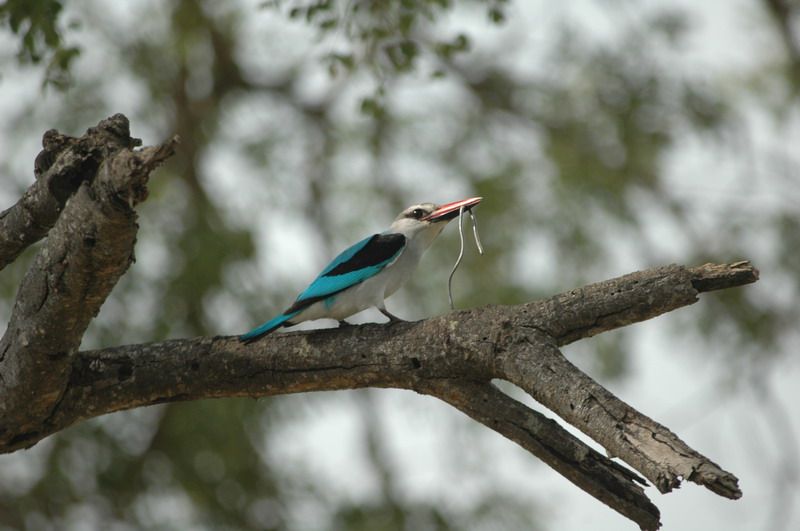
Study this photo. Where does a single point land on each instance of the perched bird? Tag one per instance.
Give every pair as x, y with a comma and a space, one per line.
365, 274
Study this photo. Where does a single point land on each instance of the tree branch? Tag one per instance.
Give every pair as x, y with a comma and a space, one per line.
539, 368
60, 168
88, 249
632, 298
614, 485
46, 385
532, 361
453, 357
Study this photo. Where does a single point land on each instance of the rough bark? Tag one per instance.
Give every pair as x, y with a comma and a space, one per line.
60, 168
453, 357
91, 189
47, 385
612, 484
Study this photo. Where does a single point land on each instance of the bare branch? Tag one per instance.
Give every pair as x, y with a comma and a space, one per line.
453, 357
370, 355
632, 298
45, 385
87, 250
531, 360
536, 365
61, 167
710, 277
601, 477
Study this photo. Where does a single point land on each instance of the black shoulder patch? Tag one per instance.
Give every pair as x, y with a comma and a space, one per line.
379, 248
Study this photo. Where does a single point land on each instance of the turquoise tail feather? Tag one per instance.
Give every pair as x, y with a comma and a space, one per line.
267, 327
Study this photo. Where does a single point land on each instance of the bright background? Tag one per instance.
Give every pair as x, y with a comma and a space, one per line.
605, 136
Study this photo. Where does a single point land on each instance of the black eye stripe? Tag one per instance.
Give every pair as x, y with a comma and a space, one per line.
417, 213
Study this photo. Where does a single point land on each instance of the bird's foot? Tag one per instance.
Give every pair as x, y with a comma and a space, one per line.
393, 319
343, 323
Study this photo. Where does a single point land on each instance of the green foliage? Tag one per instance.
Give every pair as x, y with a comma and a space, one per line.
36, 22
386, 38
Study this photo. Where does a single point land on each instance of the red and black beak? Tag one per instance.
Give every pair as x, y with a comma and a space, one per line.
450, 210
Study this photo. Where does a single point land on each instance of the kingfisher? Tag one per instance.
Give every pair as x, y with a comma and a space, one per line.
366, 273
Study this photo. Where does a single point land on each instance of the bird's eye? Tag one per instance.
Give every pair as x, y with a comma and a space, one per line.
417, 213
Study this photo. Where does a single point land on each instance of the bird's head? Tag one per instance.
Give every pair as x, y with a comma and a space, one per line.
426, 220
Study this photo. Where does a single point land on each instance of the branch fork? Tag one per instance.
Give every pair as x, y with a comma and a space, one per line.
83, 200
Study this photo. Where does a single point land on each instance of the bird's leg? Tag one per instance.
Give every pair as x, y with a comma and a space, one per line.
392, 318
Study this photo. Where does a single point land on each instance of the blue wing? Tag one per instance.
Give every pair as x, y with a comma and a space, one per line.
352, 266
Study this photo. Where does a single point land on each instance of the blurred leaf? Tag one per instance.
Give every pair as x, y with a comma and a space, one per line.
36, 22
